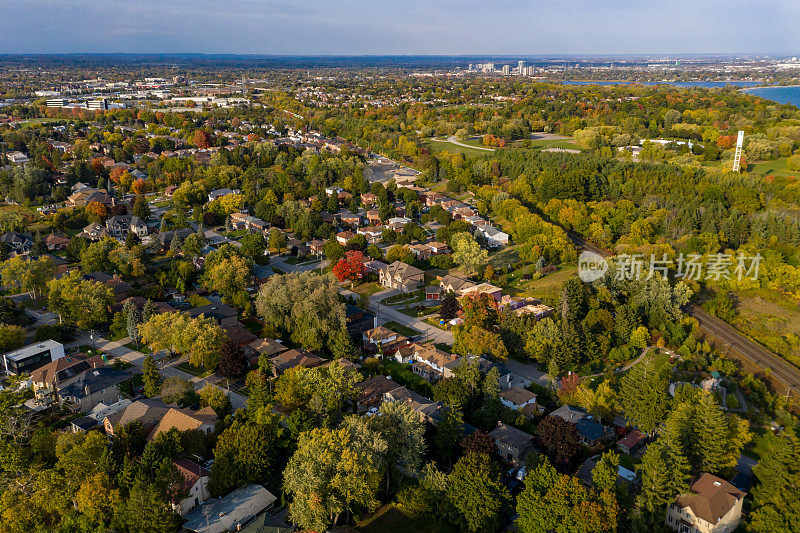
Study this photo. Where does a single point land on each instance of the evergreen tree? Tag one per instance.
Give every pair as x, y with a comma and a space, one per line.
665, 473
149, 310
449, 308
175, 244
776, 500
132, 320
448, 432
643, 395
150, 376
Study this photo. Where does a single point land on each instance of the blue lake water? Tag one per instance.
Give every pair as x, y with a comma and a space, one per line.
706, 84
782, 95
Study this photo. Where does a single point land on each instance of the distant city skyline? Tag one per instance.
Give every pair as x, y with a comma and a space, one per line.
378, 27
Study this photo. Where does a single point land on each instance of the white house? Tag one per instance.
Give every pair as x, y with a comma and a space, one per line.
195, 488
494, 237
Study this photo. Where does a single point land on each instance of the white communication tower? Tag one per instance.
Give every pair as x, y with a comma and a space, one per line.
738, 156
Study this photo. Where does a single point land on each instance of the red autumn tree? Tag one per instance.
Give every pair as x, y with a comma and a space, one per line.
569, 386
351, 266
201, 139
96, 212
726, 141
139, 186
480, 309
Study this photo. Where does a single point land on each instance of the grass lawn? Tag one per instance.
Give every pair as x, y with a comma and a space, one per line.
775, 167
391, 519
401, 329
403, 375
543, 286
368, 288
772, 319
447, 146
143, 348
420, 312
193, 370
405, 297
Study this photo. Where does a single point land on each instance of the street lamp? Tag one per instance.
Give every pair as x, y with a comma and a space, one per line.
94, 345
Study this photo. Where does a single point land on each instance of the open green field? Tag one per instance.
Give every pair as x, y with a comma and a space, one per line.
446, 146
565, 144
771, 318
775, 167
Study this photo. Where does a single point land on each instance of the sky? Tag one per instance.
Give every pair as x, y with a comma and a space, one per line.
407, 27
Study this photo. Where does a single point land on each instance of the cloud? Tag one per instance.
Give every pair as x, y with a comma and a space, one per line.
392, 27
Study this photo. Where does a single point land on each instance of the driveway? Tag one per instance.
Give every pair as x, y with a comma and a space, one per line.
384, 313
118, 350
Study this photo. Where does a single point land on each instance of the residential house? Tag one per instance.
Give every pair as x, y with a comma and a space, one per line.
420, 251
434, 293
28, 358
165, 237
317, 247
344, 236
429, 361
712, 506
590, 431
92, 387
371, 233
224, 314
369, 199
538, 311
265, 347
17, 158
17, 243
455, 284
203, 420
371, 391
374, 266
401, 276
374, 217
194, 488
514, 444
294, 358
517, 398
250, 223
62, 371
97, 415
569, 413
351, 219
56, 242
231, 512
219, 193
437, 248
120, 225
483, 288
86, 195
147, 412
94, 232
429, 411
378, 335
632, 442
493, 237
397, 223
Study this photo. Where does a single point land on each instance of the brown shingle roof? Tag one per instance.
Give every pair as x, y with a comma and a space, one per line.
183, 420
711, 498
517, 395
295, 357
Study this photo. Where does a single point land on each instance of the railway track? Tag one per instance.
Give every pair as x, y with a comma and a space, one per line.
779, 368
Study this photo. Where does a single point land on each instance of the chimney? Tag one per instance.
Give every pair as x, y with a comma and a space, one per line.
86, 390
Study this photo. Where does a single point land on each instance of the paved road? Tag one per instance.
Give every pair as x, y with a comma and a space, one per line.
280, 263
118, 350
452, 139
